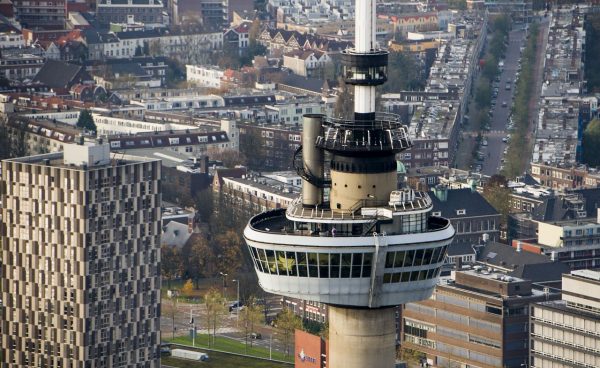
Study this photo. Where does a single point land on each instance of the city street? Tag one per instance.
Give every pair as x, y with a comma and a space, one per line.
228, 327
493, 152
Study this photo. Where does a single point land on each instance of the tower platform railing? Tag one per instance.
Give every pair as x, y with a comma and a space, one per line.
383, 133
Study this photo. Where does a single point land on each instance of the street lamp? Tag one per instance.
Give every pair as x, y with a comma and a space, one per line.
193, 328
237, 312
224, 278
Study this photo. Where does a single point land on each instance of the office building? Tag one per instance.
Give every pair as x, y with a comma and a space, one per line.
81, 250
476, 318
566, 333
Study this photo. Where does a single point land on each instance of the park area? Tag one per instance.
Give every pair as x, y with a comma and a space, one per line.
224, 359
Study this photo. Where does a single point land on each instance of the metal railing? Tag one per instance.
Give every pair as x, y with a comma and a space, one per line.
384, 133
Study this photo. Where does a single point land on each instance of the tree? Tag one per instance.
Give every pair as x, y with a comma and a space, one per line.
13, 138
287, 323
251, 316
591, 143
204, 204
228, 246
198, 258
214, 311
457, 4
171, 263
155, 48
4, 142
483, 93
497, 194
188, 288
86, 121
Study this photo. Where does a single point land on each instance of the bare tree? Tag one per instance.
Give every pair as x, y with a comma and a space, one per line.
214, 312
287, 323
251, 316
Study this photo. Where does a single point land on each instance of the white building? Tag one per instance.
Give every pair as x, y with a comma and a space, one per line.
11, 39
566, 333
204, 75
180, 103
109, 125
292, 112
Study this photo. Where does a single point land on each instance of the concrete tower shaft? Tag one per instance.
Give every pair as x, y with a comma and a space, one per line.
368, 246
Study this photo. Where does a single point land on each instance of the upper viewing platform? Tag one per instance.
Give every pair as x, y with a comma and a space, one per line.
407, 212
385, 134
365, 69
364, 210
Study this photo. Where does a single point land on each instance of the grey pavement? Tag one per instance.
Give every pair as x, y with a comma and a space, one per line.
493, 152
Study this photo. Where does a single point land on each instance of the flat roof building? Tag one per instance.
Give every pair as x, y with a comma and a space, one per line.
81, 248
566, 333
475, 318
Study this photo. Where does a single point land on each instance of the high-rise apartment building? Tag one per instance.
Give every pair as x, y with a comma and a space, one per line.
44, 14
80, 250
149, 12
566, 333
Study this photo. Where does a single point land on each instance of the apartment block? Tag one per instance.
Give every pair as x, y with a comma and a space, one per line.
561, 177
120, 11
49, 14
81, 251
566, 333
574, 242
476, 318
435, 123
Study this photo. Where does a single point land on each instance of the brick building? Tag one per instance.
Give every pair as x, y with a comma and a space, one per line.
475, 318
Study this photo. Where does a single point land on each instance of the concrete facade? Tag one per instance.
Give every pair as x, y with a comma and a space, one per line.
476, 318
81, 247
566, 333
361, 338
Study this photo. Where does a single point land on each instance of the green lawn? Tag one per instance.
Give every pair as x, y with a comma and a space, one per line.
222, 360
230, 345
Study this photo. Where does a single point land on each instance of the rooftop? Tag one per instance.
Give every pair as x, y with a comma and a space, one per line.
84, 157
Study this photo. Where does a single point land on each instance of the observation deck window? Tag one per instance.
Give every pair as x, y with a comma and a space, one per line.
414, 258
391, 278
312, 264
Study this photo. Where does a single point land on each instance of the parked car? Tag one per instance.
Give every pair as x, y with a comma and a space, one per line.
235, 306
165, 349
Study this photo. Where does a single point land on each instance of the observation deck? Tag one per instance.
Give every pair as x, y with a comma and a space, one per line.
383, 134
365, 68
369, 257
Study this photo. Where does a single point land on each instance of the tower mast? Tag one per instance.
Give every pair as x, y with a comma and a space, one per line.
367, 247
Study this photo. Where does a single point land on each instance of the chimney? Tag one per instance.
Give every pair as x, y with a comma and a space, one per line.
519, 246
553, 256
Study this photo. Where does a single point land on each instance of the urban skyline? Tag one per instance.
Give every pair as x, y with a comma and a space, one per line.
317, 184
